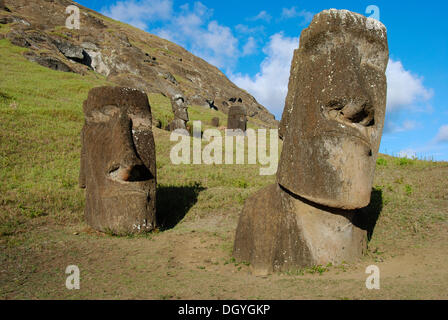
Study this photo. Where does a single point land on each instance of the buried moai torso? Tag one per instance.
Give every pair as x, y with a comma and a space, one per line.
237, 119
334, 112
118, 165
331, 126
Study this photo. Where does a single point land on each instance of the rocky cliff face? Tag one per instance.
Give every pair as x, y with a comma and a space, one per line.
125, 55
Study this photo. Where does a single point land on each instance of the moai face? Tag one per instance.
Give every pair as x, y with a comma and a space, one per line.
237, 119
334, 113
118, 161
180, 108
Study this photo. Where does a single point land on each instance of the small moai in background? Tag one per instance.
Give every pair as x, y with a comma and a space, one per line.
180, 110
215, 122
118, 161
237, 119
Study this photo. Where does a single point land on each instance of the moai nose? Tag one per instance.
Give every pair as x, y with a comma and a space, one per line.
130, 167
359, 111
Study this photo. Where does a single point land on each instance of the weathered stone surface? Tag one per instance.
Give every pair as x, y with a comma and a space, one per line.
215, 122
237, 118
334, 112
118, 164
179, 106
278, 231
69, 50
48, 61
177, 124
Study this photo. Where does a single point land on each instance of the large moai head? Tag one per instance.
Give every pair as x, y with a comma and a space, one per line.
118, 165
180, 108
334, 112
237, 119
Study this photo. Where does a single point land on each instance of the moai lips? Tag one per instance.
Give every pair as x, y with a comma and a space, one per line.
118, 164
334, 112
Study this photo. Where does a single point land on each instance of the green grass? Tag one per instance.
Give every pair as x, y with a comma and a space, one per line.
40, 146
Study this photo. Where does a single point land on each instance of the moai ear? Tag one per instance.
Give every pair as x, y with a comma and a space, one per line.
82, 173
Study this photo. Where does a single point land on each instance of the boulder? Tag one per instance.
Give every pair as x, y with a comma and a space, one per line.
335, 108
70, 50
177, 124
48, 61
118, 161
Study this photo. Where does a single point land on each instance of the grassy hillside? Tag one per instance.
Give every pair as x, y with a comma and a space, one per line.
42, 228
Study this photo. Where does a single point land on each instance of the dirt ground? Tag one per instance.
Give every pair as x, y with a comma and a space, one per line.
193, 261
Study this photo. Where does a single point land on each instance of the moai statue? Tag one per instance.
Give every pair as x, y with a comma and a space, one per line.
180, 110
215, 122
118, 161
332, 126
237, 119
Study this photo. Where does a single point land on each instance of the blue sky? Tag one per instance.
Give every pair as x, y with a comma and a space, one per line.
252, 43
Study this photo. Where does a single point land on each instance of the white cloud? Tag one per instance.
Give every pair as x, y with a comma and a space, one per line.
139, 13
244, 29
250, 47
407, 125
294, 13
404, 89
263, 15
270, 85
191, 27
442, 135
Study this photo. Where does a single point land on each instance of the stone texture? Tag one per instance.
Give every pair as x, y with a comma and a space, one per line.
278, 231
48, 61
334, 112
237, 119
118, 164
180, 110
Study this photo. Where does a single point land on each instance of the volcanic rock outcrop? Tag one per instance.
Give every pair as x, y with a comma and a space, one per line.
123, 54
118, 161
332, 126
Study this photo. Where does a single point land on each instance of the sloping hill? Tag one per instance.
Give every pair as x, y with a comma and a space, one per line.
123, 54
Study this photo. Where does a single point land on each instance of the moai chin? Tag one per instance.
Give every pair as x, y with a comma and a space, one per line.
237, 119
335, 108
118, 162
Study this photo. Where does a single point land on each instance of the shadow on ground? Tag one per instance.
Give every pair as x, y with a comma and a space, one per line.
368, 216
173, 203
